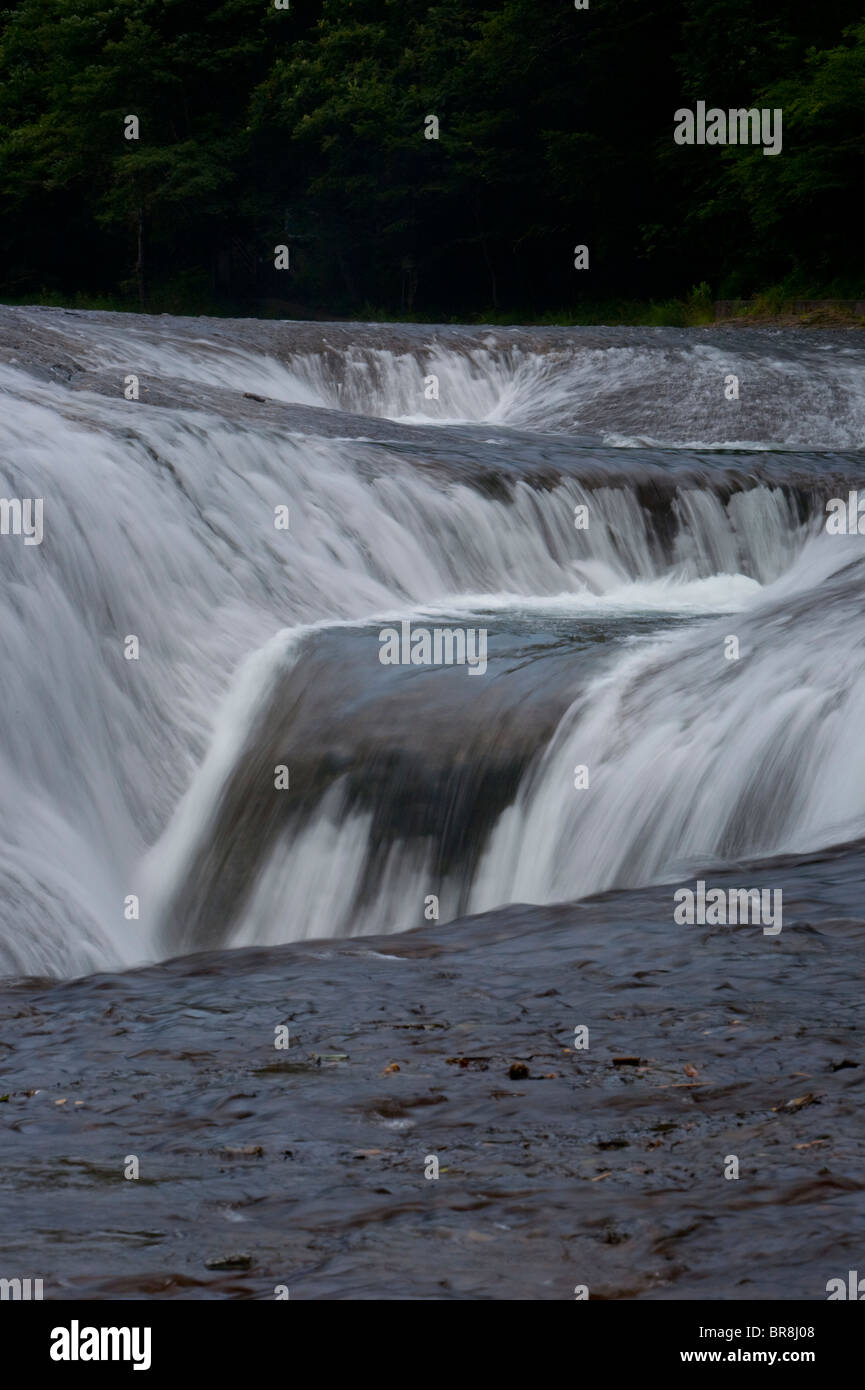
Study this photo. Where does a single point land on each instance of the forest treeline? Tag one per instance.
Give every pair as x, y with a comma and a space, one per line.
308, 126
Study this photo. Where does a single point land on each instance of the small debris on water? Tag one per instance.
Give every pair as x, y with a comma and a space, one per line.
238, 1261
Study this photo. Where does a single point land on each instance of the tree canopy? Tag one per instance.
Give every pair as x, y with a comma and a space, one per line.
308, 126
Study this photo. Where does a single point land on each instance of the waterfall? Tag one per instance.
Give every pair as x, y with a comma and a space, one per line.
151, 778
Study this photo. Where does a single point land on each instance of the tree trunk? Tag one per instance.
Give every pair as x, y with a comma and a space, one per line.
139, 264
346, 274
486, 254
492, 272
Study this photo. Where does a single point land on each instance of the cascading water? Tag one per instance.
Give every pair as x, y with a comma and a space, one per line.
259, 647
696, 759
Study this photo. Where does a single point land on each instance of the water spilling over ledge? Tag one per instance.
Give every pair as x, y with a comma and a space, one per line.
125, 777
281, 807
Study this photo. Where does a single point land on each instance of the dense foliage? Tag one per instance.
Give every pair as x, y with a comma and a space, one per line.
306, 126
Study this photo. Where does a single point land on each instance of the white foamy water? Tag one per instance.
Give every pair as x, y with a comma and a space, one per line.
159, 524
695, 758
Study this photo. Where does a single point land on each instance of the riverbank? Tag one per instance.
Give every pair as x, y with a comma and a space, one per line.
698, 309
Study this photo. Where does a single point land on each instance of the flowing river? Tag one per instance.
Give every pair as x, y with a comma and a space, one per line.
221, 812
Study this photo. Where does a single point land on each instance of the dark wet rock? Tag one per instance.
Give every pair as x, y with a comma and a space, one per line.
358, 1219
